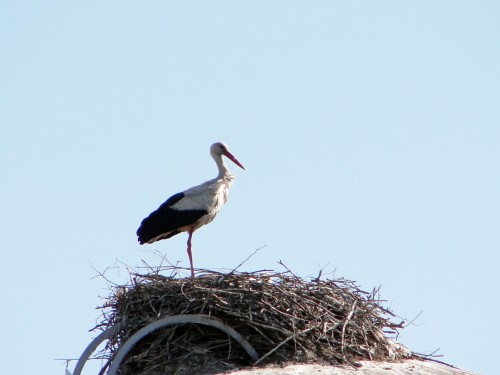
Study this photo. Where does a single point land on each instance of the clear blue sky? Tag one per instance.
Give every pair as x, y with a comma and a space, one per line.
370, 132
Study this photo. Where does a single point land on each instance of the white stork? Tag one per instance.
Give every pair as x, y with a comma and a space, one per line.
193, 208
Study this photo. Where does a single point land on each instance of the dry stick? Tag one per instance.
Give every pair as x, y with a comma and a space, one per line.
412, 322
281, 344
102, 274
242, 263
155, 272
345, 324
106, 365
429, 356
289, 270
318, 278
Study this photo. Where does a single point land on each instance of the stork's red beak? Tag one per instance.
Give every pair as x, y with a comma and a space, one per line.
233, 159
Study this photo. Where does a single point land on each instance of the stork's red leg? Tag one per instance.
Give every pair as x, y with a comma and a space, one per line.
189, 252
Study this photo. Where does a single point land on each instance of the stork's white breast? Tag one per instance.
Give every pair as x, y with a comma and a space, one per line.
209, 196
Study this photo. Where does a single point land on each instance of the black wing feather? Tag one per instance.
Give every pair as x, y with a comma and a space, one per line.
166, 221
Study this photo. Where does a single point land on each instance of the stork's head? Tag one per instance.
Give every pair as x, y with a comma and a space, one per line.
220, 148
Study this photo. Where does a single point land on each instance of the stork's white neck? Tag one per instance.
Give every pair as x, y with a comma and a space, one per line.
221, 166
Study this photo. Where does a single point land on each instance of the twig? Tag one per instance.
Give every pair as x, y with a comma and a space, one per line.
242, 263
431, 355
280, 345
102, 274
288, 269
342, 345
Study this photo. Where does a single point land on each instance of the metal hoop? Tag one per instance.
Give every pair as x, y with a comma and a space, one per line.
106, 335
151, 327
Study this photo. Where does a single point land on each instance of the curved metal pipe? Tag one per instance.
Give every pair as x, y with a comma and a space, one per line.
105, 335
178, 319
146, 330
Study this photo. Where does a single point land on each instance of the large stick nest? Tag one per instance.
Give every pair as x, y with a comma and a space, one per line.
285, 318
